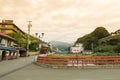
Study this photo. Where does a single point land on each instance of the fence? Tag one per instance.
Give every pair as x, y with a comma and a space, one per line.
80, 60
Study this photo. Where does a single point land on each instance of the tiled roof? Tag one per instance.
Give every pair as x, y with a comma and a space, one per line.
6, 36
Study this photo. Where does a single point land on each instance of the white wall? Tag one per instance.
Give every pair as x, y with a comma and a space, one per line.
80, 45
4, 41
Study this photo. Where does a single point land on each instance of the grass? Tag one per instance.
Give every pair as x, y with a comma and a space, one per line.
69, 55
94, 54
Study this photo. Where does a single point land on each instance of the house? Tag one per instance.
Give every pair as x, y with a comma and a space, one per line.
45, 48
7, 50
77, 46
21, 51
8, 27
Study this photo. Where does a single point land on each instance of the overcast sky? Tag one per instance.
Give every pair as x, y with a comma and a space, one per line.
62, 20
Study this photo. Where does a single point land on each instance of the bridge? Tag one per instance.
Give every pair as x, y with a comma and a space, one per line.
25, 69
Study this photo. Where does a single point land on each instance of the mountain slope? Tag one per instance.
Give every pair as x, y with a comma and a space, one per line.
62, 46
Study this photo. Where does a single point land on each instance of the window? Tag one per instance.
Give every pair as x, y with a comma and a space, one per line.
9, 43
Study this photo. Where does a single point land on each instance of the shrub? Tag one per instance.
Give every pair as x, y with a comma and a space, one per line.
106, 54
105, 48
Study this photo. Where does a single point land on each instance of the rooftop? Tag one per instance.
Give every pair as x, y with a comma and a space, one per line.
6, 36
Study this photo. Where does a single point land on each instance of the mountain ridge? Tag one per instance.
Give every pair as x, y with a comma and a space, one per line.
62, 46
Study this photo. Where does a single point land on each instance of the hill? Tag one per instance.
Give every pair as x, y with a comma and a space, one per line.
62, 46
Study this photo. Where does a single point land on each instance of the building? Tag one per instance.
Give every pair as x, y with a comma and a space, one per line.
45, 48
7, 26
21, 51
7, 50
77, 46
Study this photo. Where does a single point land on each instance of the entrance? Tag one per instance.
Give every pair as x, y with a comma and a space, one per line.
3, 55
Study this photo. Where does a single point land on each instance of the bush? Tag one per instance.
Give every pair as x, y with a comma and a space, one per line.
106, 54
117, 49
105, 48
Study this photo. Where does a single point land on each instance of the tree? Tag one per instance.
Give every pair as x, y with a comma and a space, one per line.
33, 43
20, 40
117, 49
100, 32
91, 40
105, 48
110, 40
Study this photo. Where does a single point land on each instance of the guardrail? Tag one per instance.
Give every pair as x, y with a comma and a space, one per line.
79, 60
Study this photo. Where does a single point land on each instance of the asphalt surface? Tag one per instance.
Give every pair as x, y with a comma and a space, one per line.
9, 66
35, 72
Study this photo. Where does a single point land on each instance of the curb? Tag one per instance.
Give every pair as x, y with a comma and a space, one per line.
77, 67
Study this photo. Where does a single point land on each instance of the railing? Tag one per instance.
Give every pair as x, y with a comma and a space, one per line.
79, 60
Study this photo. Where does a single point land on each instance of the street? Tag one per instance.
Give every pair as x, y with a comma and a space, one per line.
31, 71
9, 66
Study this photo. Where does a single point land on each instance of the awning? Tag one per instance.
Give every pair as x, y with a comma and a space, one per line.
20, 48
7, 48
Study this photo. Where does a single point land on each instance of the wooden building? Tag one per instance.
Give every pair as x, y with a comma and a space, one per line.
7, 50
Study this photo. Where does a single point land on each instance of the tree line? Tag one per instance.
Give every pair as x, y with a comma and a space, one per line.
22, 41
100, 40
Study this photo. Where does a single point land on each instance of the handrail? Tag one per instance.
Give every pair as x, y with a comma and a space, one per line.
64, 60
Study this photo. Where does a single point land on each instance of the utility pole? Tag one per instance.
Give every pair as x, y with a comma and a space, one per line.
28, 41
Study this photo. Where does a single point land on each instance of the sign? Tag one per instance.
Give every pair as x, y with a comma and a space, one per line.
75, 49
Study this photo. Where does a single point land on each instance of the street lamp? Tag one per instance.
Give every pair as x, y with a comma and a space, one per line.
28, 41
40, 46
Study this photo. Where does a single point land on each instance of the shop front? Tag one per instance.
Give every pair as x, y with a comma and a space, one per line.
8, 53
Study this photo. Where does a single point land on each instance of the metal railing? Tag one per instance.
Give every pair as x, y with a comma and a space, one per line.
79, 60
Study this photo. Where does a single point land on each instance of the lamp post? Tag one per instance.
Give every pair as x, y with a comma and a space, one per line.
28, 41
40, 46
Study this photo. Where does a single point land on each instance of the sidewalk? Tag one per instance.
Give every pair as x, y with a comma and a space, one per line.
10, 66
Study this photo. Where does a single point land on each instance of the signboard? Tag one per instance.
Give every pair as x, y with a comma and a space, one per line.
75, 49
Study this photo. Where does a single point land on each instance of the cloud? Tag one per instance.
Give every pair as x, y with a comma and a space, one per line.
64, 20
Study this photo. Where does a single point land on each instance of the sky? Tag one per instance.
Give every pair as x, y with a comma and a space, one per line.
62, 20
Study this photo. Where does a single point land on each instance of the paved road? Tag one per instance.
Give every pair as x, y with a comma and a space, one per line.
9, 66
35, 72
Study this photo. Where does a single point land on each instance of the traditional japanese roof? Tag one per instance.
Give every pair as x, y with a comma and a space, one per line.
6, 36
